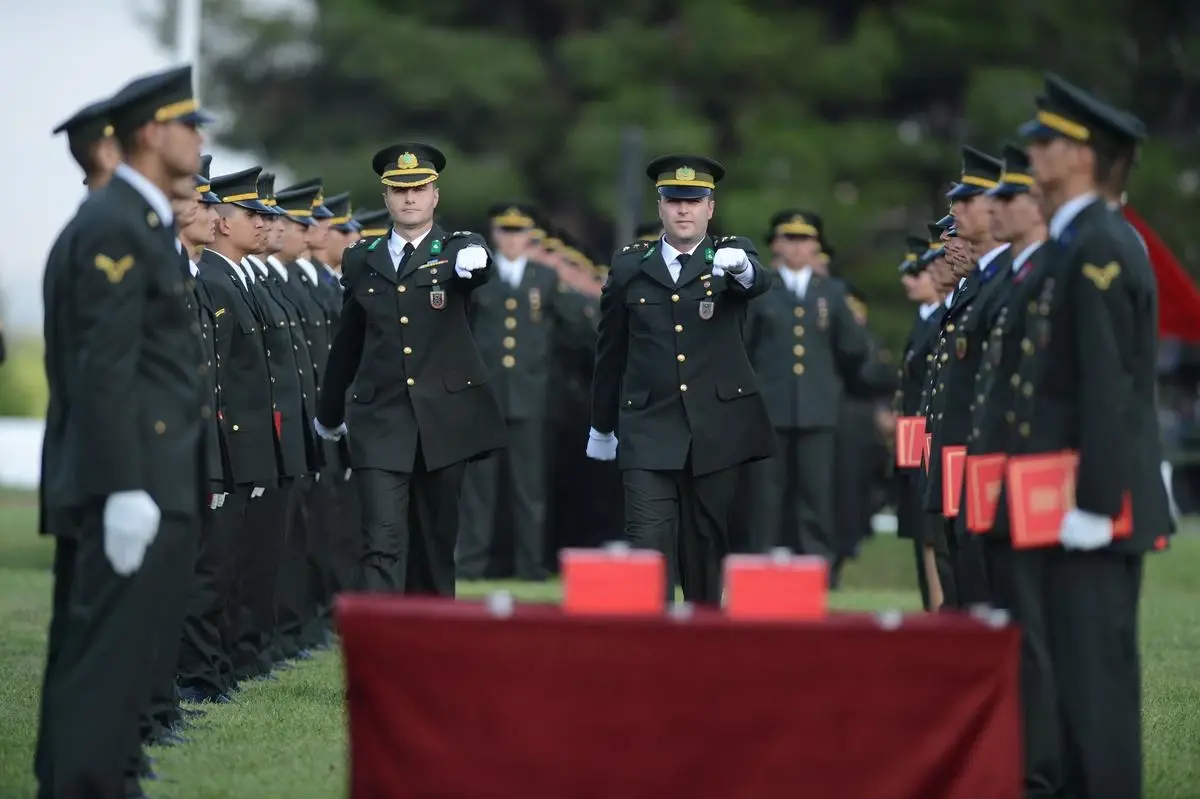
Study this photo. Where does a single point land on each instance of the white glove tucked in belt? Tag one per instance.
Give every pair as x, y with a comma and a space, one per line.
1086, 531
601, 446
130, 525
470, 258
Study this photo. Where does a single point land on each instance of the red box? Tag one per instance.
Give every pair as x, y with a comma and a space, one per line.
776, 587
985, 478
910, 434
1041, 489
954, 459
615, 579
928, 449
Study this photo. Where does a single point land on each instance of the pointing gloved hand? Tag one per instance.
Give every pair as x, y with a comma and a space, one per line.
130, 525
601, 446
469, 259
1086, 531
730, 260
330, 435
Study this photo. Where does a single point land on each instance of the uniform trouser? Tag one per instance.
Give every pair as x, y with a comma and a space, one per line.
410, 527
294, 605
175, 577
207, 641
318, 517
676, 511
793, 495
104, 634
938, 536
519, 471
343, 525
259, 543
1080, 667
969, 562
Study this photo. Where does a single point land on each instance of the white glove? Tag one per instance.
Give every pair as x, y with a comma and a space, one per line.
215, 501
730, 260
330, 435
257, 492
601, 446
130, 524
346, 476
469, 259
1086, 531
1167, 470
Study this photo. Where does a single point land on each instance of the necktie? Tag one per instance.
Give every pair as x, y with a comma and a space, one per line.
682, 260
404, 256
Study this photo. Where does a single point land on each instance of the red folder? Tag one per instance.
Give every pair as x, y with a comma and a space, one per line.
614, 580
1041, 489
953, 461
776, 587
928, 448
985, 478
910, 435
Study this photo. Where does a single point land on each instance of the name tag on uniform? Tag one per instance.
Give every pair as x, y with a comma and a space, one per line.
706, 309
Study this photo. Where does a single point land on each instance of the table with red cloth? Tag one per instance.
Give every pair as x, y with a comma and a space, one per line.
448, 699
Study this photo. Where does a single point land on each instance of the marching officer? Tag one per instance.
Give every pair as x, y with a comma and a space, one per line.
92, 144
515, 318
123, 456
1087, 384
960, 347
421, 405
673, 378
804, 343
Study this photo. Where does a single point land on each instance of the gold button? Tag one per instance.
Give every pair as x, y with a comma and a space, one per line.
950, 328
708, 293
510, 323
683, 387
1027, 389
945, 357
411, 381
400, 289
1027, 346
1010, 417
674, 298
205, 412
509, 342
799, 312
798, 368
408, 350
1024, 428
404, 320
235, 428
680, 357
160, 427
370, 291
511, 304
641, 300
798, 350
1015, 380
435, 282
678, 328
929, 357
798, 330
508, 361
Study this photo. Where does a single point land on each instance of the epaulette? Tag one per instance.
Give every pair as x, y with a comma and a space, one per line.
726, 241
360, 241
458, 234
637, 246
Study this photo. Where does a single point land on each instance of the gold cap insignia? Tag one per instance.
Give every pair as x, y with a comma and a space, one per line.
685, 173
406, 161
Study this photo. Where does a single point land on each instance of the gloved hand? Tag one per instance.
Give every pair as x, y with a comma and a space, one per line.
130, 525
469, 259
330, 435
601, 446
257, 492
215, 501
1085, 531
730, 260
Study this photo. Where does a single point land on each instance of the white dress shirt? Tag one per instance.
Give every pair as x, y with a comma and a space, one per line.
237, 268
396, 244
797, 280
278, 266
1067, 212
671, 258
1023, 256
988, 257
512, 272
310, 270
926, 310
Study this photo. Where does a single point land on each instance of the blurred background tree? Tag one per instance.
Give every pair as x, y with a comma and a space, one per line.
854, 108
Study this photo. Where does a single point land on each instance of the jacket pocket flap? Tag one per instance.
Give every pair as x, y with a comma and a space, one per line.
634, 400
733, 389
363, 392
461, 381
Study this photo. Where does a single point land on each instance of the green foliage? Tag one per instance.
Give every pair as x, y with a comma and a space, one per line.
803, 104
23, 390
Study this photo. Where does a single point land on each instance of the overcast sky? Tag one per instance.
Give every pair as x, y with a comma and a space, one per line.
56, 59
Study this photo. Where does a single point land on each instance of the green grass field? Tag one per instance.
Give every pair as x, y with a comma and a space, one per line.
287, 738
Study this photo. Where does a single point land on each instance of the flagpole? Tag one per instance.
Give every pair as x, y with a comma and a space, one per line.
187, 39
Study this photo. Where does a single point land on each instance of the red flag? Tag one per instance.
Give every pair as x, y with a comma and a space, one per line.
1178, 299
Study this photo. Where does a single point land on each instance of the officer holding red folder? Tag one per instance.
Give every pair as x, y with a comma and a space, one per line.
1084, 382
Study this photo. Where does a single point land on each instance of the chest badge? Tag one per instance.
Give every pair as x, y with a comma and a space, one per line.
960, 347
707, 307
437, 300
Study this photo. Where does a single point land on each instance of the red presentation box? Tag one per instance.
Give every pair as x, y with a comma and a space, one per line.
776, 587
615, 579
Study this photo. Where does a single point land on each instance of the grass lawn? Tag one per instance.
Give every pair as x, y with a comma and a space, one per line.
287, 738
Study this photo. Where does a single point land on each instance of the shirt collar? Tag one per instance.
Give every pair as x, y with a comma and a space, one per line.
670, 254
278, 266
1067, 212
1023, 256
990, 256
396, 242
237, 268
309, 269
927, 310
950, 297
150, 193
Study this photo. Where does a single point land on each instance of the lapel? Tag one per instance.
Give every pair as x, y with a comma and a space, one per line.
379, 258
656, 268
697, 265
963, 297
420, 256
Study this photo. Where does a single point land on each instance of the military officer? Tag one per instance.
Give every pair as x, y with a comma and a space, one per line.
421, 405
515, 318
1086, 383
673, 378
804, 343
256, 505
964, 330
119, 477
92, 144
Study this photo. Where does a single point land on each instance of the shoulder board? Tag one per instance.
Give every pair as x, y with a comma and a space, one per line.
726, 241
458, 234
359, 242
637, 246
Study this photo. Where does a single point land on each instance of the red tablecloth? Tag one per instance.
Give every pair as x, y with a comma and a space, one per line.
446, 700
